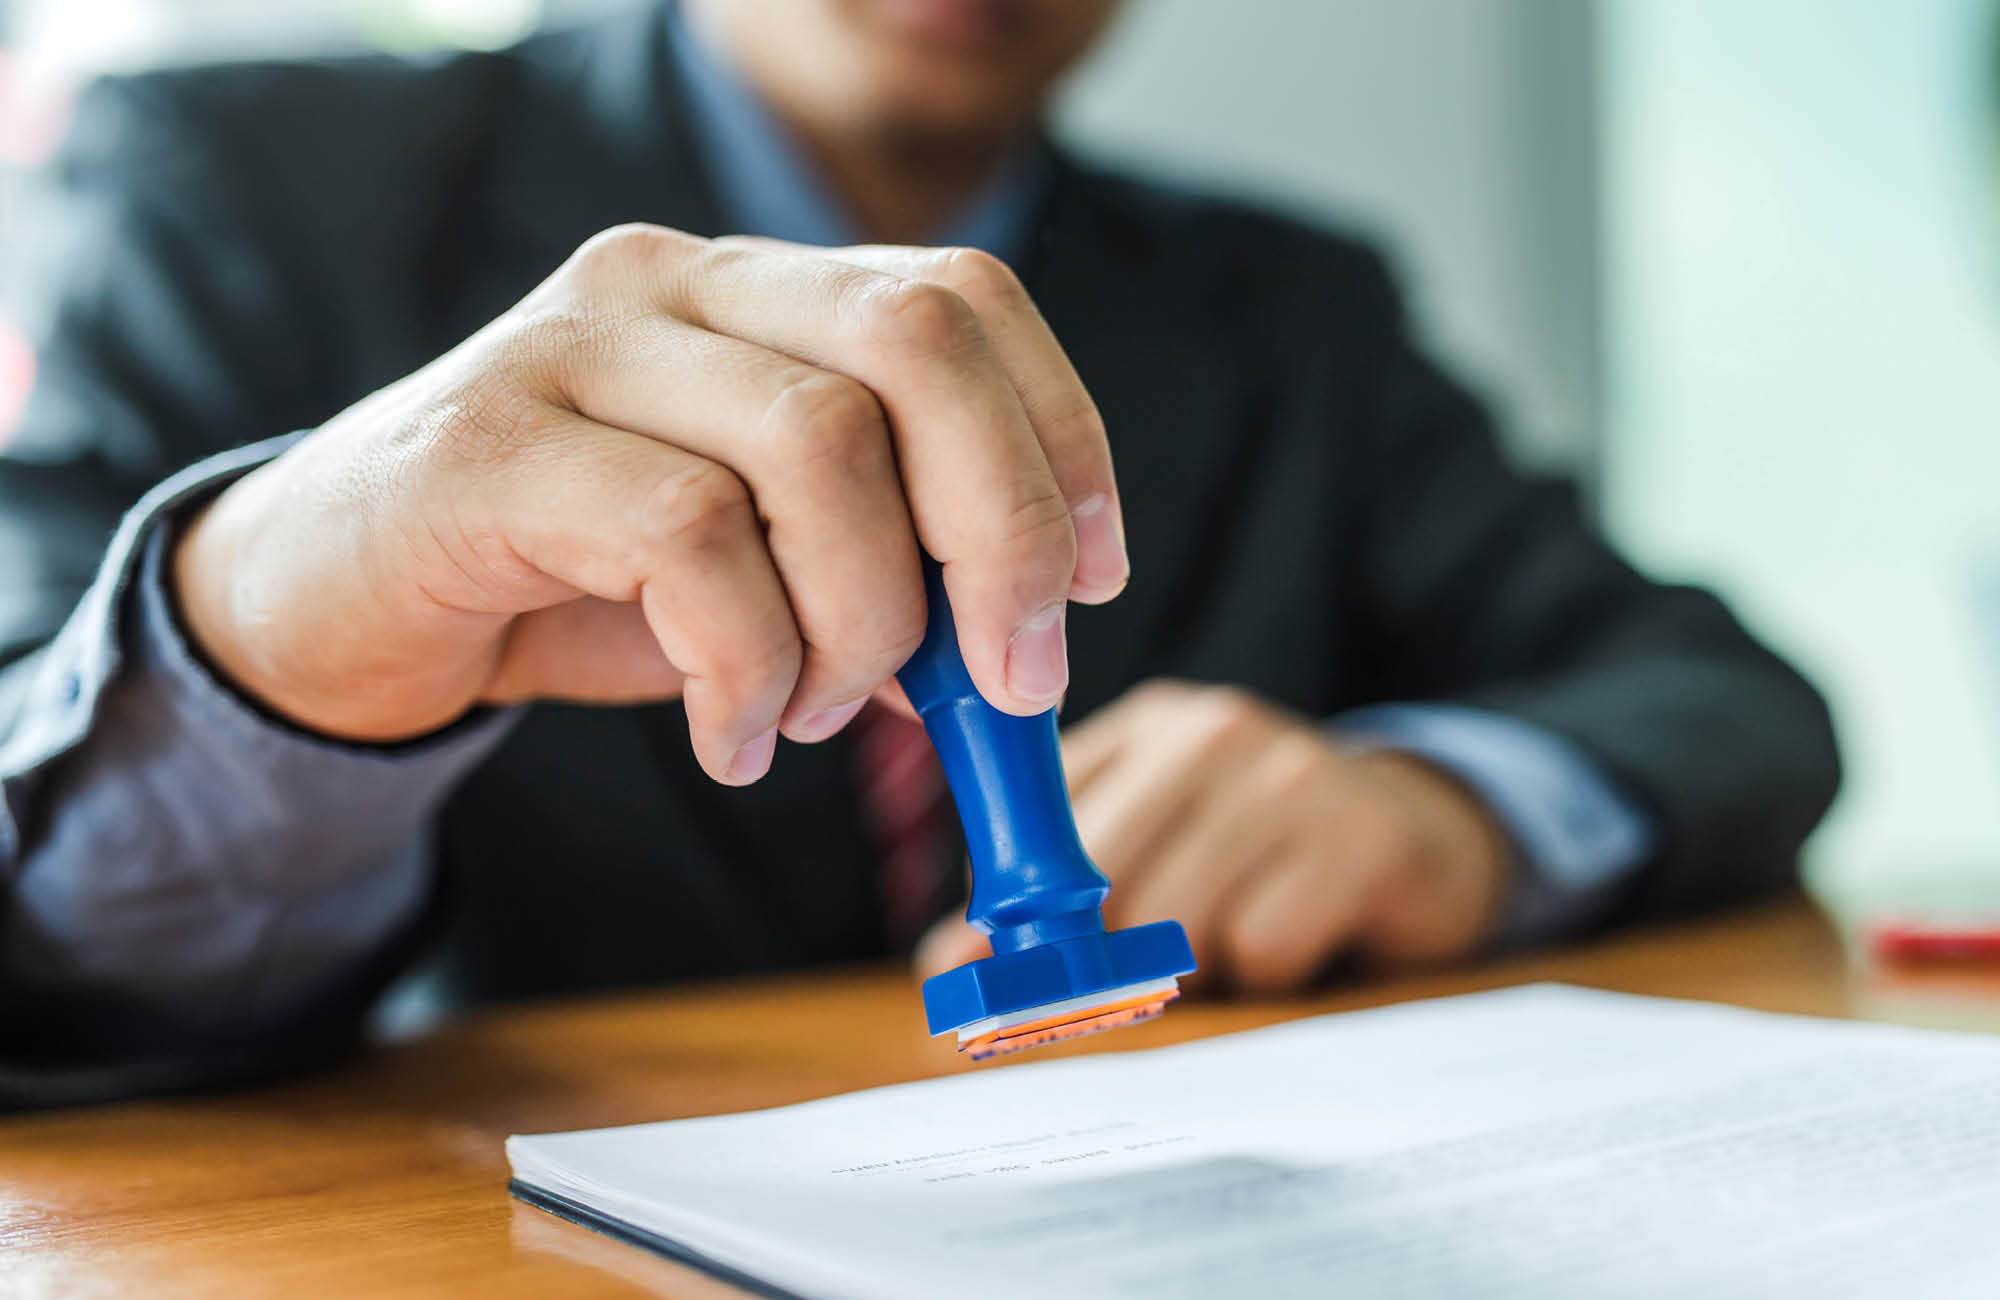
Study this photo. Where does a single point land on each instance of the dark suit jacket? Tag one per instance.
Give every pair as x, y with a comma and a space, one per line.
1314, 511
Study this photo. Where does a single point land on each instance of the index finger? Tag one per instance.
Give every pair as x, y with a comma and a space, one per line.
1065, 419
982, 493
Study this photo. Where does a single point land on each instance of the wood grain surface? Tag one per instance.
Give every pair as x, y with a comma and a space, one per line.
385, 1177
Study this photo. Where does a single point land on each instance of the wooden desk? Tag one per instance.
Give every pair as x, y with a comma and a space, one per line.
386, 1178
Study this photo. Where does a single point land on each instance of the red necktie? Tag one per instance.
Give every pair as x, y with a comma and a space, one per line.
908, 807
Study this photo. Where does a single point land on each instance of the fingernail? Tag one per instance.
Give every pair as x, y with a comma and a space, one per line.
754, 759
1038, 659
1101, 562
827, 721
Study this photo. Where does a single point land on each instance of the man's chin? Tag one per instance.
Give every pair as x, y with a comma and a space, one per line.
981, 29
937, 143
939, 112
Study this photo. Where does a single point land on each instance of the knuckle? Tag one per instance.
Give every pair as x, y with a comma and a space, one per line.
768, 669
555, 331
979, 275
564, 341
1228, 711
697, 507
1081, 425
730, 254
1081, 420
1159, 690
873, 645
1150, 703
916, 315
1297, 762
620, 251
828, 421
1039, 527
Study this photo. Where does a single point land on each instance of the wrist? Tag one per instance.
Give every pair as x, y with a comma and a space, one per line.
1460, 853
207, 589
275, 633
196, 576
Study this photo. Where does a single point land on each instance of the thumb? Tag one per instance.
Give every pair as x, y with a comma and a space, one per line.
598, 651
891, 697
951, 942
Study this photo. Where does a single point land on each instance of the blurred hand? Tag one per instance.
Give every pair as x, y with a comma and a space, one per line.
1276, 849
684, 466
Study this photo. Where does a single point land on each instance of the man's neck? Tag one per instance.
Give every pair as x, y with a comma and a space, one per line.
892, 184
896, 188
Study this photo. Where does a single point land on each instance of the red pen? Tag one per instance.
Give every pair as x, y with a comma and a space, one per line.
1957, 942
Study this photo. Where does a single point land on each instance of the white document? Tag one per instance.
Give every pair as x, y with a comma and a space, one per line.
1542, 1142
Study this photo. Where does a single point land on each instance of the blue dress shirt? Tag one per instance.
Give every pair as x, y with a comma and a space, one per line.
189, 850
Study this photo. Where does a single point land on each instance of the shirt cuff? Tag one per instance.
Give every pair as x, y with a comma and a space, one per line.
1576, 835
188, 849
71, 672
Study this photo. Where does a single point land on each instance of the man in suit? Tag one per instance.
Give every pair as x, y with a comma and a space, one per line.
479, 521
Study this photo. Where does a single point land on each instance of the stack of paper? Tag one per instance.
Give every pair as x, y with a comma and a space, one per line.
1539, 1142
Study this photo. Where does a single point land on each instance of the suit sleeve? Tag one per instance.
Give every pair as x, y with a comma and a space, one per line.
189, 891
1489, 588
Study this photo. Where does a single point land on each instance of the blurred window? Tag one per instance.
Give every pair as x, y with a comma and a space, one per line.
1803, 287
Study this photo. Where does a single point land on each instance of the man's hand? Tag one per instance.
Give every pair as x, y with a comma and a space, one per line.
1276, 849
680, 465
